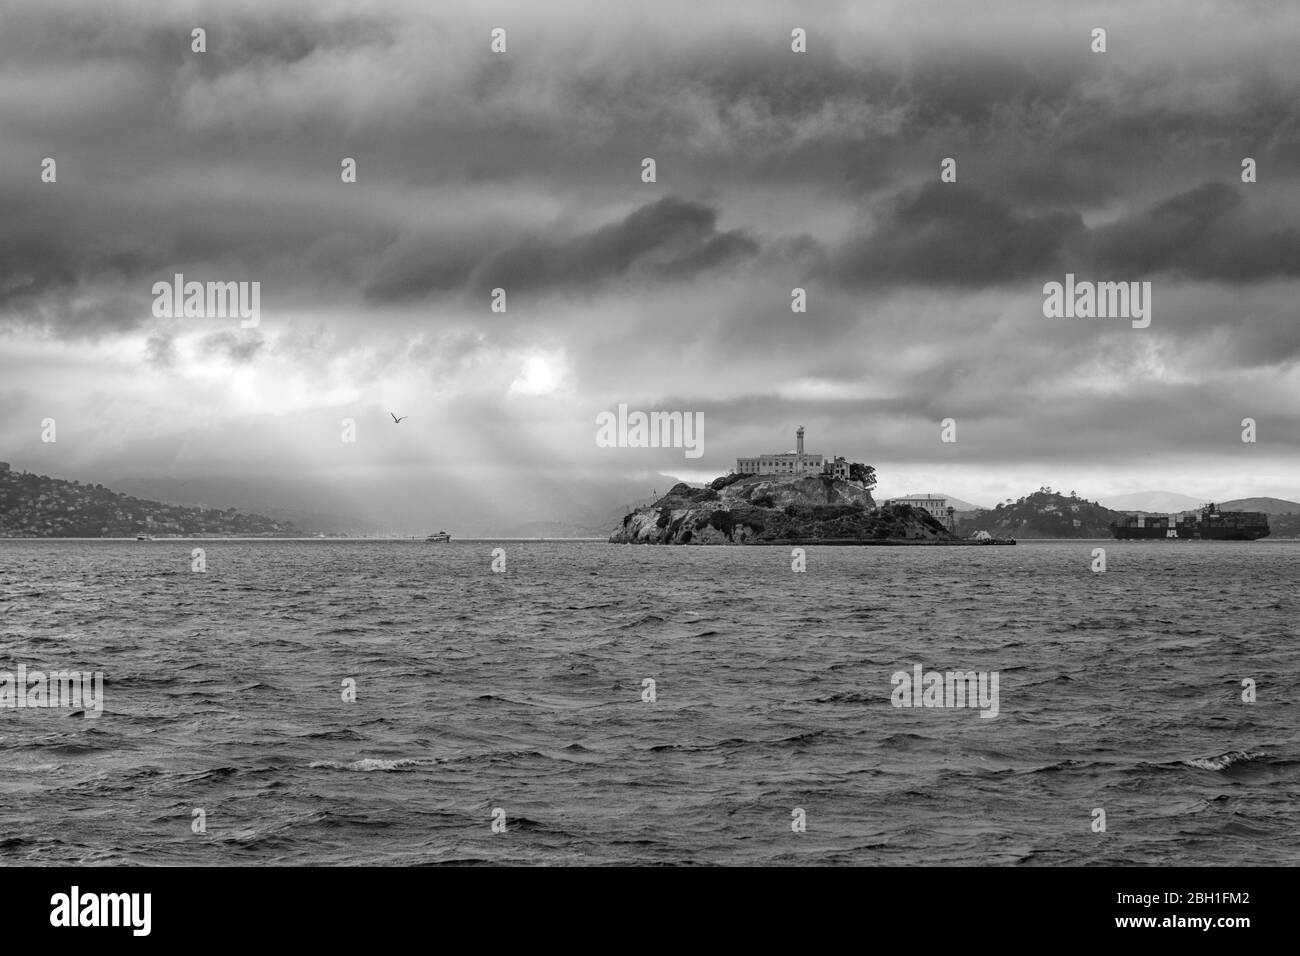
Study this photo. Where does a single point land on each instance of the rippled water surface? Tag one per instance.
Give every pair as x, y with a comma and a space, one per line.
522, 690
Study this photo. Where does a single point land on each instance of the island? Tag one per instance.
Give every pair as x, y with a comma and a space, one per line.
781, 510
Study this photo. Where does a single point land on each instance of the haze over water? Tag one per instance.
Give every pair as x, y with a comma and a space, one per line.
522, 691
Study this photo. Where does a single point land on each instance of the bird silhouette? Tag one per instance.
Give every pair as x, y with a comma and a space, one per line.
398, 421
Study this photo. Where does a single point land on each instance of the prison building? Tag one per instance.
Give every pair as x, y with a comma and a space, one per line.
796, 462
938, 507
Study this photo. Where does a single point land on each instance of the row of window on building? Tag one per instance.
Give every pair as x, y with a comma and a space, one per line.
793, 465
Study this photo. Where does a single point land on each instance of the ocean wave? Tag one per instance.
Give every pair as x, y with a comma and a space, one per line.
642, 621
71, 749
733, 743
343, 734
897, 741
371, 764
213, 773
1066, 764
1222, 761
848, 697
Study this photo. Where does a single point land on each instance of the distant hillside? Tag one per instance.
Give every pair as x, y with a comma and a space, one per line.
1043, 514
1270, 506
37, 506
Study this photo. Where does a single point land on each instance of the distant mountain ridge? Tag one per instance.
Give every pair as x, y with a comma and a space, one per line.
1169, 502
1270, 506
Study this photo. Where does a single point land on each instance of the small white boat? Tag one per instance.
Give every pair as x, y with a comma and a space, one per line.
144, 537
440, 536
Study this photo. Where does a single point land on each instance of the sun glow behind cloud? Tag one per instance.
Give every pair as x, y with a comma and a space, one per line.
542, 373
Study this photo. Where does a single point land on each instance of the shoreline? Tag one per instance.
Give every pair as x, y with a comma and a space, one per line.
835, 542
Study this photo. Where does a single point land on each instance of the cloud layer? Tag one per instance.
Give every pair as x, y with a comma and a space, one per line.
775, 170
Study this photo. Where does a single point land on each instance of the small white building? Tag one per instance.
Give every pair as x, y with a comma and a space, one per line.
937, 506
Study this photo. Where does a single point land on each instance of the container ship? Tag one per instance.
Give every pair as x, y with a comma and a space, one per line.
1209, 524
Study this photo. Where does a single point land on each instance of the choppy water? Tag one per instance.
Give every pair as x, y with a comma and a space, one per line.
522, 691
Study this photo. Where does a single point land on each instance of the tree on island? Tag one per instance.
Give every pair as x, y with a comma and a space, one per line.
862, 473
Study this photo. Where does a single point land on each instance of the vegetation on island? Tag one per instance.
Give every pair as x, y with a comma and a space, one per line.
1042, 514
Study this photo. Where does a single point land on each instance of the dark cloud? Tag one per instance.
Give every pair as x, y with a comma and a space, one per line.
671, 238
946, 234
32, 267
1204, 233
953, 235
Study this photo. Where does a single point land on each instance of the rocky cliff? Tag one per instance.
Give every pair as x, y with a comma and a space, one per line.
759, 509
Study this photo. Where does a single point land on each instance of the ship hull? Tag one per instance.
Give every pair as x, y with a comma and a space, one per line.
1211, 525
1232, 534
1143, 534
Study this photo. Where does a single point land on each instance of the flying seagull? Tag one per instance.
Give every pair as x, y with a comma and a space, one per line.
398, 421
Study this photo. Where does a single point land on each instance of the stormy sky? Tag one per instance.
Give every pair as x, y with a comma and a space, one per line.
522, 170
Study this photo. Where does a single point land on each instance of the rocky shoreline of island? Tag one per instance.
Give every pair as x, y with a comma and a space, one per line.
783, 510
